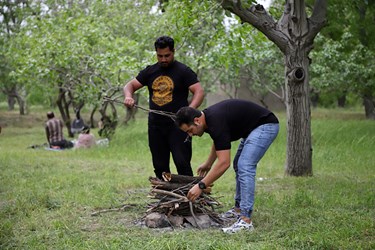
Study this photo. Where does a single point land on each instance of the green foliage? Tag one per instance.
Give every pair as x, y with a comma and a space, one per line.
344, 52
85, 49
91, 47
98, 45
343, 65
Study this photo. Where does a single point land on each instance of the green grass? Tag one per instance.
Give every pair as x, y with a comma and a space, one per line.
47, 198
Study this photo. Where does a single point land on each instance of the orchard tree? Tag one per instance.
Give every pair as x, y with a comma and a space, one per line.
12, 15
223, 52
78, 52
345, 51
294, 35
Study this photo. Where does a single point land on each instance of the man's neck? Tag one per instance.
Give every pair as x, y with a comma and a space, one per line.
202, 119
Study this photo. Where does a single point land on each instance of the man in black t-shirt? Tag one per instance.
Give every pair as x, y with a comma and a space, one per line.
225, 122
169, 83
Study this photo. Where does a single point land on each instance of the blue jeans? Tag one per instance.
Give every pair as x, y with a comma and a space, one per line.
249, 153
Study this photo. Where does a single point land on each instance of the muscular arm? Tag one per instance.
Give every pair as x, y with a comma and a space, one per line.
129, 89
221, 165
204, 168
198, 94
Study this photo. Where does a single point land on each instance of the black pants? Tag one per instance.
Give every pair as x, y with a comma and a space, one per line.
167, 139
62, 144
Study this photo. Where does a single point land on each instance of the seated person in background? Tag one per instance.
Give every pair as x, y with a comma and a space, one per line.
85, 139
54, 132
78, 123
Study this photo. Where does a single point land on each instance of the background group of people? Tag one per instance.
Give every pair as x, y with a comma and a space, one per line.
169, 84
55, 136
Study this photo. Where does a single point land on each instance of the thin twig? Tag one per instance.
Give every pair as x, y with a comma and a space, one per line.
122, 208
192, 213
159, 112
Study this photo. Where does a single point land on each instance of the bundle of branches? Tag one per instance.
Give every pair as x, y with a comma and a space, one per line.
171, 193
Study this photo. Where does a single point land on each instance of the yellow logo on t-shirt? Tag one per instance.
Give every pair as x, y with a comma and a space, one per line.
162, 88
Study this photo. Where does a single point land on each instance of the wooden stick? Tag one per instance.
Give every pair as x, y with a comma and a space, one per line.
181, 178
159, 191
192, 213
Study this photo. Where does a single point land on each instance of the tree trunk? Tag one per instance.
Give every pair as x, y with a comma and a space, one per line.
22, 105
294, 34
299, 152
92, 121
13, 97
314, 98
63, 106
11, 102
369, 104
341, 100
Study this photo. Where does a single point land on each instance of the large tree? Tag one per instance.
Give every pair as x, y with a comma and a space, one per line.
77, 52
12, 16
294, 35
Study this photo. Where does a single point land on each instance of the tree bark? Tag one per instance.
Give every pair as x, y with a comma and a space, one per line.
13, 96
21, 104
369, 103
294, 34
63, 106
299, 151
11, 103
341, 100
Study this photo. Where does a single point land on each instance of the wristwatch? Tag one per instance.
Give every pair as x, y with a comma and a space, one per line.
202, 185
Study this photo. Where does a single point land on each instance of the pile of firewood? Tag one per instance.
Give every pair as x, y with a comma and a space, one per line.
171, 200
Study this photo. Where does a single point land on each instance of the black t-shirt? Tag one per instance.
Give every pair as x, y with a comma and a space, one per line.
233, 119
168, 87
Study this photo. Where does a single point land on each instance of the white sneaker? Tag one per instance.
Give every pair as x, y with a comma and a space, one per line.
238, 226
230, 214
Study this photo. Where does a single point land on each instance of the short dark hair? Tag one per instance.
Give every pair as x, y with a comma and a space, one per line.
164, 42
186, 115
50, 114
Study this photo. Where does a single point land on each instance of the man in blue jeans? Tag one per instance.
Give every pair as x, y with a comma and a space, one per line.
225, 122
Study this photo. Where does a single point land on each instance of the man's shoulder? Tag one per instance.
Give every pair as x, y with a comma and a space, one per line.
53, 120
180, 64
151, 67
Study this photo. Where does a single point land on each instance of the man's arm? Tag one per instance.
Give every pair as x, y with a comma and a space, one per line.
198, 94
204, 168
129, 89
221, 165
47, 134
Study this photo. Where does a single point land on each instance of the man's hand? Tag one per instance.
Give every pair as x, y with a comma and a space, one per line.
194, 193
203, 169
129, 102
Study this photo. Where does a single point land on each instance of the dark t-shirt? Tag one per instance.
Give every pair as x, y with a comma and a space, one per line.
233, 119
168, 87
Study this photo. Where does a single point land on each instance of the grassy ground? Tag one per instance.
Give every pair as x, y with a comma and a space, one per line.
47, 198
